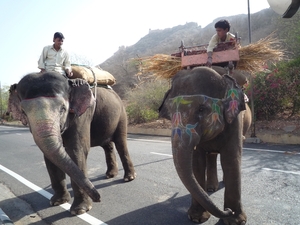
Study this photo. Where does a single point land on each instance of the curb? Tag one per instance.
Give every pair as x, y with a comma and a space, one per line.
4, 219
286, 138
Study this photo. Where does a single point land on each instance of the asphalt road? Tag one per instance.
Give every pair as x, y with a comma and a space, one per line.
270, 184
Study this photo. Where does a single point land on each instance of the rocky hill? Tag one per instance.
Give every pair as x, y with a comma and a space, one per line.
168, 40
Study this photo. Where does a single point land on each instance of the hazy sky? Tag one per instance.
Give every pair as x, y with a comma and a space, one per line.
95, 29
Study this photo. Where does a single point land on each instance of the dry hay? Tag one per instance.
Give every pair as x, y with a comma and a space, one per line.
254, 56
160, 66
252, 59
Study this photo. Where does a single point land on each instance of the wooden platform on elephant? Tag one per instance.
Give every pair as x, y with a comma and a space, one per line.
197, 55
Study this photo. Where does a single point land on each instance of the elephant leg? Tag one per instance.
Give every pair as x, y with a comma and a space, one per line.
82, 203
196, 212
212, 183
231, 165
77, 145
111, 162
120, 141
58, 183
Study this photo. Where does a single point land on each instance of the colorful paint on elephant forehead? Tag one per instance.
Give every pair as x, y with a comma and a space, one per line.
178, 128
215, 112
213, 120
179, 100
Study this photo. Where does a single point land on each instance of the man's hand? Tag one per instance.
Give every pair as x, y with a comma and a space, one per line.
69, 73
209, 61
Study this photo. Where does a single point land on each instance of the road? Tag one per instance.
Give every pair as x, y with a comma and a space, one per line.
270, 184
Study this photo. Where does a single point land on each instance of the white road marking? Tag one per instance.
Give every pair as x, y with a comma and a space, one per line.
270, 150
86, 217
156, 153
12, 127
146, 140
282, 171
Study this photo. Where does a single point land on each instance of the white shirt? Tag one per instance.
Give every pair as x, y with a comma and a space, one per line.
216, 40
53, 60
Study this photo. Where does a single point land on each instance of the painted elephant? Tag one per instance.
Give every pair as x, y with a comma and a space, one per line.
66, 119
204, 108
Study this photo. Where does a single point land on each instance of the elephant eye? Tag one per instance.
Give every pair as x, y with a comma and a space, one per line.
62, 109
201, 108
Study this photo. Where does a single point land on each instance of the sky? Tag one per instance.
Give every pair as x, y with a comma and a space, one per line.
95, 29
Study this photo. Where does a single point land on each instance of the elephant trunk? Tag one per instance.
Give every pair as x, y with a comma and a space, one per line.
182, 157
47, 136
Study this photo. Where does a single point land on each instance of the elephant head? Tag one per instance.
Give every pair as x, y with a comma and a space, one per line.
200, 104
46, 102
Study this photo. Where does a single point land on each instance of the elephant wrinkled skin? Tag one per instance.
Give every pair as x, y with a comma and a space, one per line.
204, 108
66, 119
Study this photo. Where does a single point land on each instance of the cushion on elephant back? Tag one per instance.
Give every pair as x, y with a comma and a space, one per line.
85, 72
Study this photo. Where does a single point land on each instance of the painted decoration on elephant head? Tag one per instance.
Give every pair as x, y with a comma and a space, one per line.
233, 103
183, 110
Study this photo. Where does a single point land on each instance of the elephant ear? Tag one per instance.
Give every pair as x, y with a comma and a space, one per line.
14, 105
163, 111
234, 101
81, 97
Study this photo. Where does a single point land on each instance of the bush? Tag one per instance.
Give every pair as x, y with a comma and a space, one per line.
144, 101
276, 93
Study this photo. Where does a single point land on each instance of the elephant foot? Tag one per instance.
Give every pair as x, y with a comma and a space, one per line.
111, 173
212, 187
129, 177
239, 219
58, 199
79, 208
197, 215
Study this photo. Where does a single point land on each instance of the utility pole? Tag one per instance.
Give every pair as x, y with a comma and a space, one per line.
251, 78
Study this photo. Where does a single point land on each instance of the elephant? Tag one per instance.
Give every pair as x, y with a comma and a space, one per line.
204, 108
66, 118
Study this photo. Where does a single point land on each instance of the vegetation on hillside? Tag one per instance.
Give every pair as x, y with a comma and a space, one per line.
4, 94
143, 102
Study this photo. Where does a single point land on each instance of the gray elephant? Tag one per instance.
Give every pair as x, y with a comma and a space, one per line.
204, 108
66, 119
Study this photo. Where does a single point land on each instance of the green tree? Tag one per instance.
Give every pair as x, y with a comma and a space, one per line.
4, 94
289, 32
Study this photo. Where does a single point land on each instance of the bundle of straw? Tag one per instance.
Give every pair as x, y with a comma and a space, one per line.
160, 65
254, 56
252, 59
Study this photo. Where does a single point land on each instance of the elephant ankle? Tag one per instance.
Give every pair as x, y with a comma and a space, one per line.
198, 215
236, 219
129, 176
81, 205
60, 198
